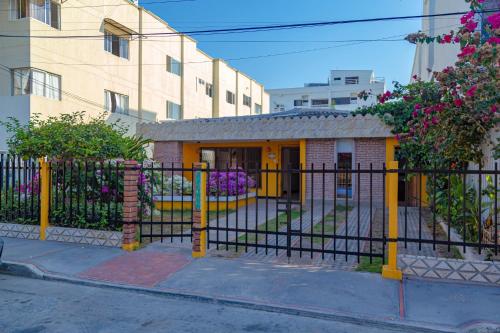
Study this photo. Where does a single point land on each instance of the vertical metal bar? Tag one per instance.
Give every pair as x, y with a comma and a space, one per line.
449, 209
267, 206
245, 167
63, 191
495, 188
301, 208
25, 187
420, 211
162, 182
358, 183
117, 190
78, 189
312, 211
93, 177
371, 214
407, 195
346, 214
217, 197
464, 207
33, 175
182, 201
227, 205
237, 206
278, 196
71, 190
479, 213
109, 195
171, 203
335, 175
259, 178
19, 187
384, 178
289, 214
84, 187
207, 194
192, 199
323, 214
1, 183
434, 209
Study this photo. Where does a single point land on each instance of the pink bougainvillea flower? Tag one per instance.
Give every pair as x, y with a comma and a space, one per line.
494, 40
434, 120
494, 108
418, 106
464, 19
447, 39
414, 114
471, 26
426, 124
472, 91
494, 20
467, 51
458, 103
456, 39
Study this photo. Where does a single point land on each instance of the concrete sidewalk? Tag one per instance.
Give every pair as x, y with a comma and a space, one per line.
302, 290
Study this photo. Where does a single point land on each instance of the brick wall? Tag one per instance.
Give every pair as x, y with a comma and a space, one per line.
168, 152
318, 152
369, 151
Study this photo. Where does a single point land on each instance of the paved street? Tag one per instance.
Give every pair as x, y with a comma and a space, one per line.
28, 305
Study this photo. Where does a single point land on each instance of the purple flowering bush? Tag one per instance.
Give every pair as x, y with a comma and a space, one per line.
229, 183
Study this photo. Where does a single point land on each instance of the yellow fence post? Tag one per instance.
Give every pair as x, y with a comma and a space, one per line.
44, 197
391, 271
200, 211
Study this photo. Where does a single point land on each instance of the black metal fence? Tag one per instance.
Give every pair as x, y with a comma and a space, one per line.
315, 213
19, 190
87, 194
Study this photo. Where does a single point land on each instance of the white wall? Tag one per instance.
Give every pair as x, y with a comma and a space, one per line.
434, 56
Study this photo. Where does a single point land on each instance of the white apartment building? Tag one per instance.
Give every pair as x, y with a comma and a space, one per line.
340, 93
103, 65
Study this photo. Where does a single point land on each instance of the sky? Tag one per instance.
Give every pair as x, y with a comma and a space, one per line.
391, 60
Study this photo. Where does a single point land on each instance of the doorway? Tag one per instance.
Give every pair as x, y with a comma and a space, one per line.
290, 181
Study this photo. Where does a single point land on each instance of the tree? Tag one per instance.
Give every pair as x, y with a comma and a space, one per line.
445, 122
72, 136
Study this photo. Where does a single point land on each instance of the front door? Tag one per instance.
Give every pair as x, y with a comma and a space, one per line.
290, 176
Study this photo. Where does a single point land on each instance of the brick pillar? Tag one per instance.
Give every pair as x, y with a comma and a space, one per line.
200, 211
130, 203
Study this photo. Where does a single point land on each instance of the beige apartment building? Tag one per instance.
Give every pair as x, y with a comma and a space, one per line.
104, 65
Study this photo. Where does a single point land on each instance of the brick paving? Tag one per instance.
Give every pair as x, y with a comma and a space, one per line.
141, 268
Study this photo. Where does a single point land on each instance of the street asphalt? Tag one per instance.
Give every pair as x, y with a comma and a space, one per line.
30, 305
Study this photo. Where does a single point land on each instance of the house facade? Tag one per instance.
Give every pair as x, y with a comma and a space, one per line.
341, 92
102, 64
293, 140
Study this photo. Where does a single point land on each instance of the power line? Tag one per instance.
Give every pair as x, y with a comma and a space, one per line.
252, 29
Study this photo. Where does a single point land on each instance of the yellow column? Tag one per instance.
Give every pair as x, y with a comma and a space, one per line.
391, 271
390, 155
44, 197
303, 174
200, 211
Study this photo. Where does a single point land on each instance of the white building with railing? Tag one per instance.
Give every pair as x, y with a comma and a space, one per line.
341, 92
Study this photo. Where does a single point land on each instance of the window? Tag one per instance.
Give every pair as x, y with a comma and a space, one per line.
115, 103
300, 102
174, 66
258, 108
174, 111
46, 11
249, 159
29, 81
230, 97
319, 102
247, 100
352, 80
209, 90
344, 179
119, 46
337, 79
341, 101
279, 107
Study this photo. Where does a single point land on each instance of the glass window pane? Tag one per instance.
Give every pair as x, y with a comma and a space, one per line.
55, 11
124, 48
53, 86
344, 180
38, 82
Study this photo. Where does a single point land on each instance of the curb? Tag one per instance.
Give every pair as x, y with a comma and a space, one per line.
31, 271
